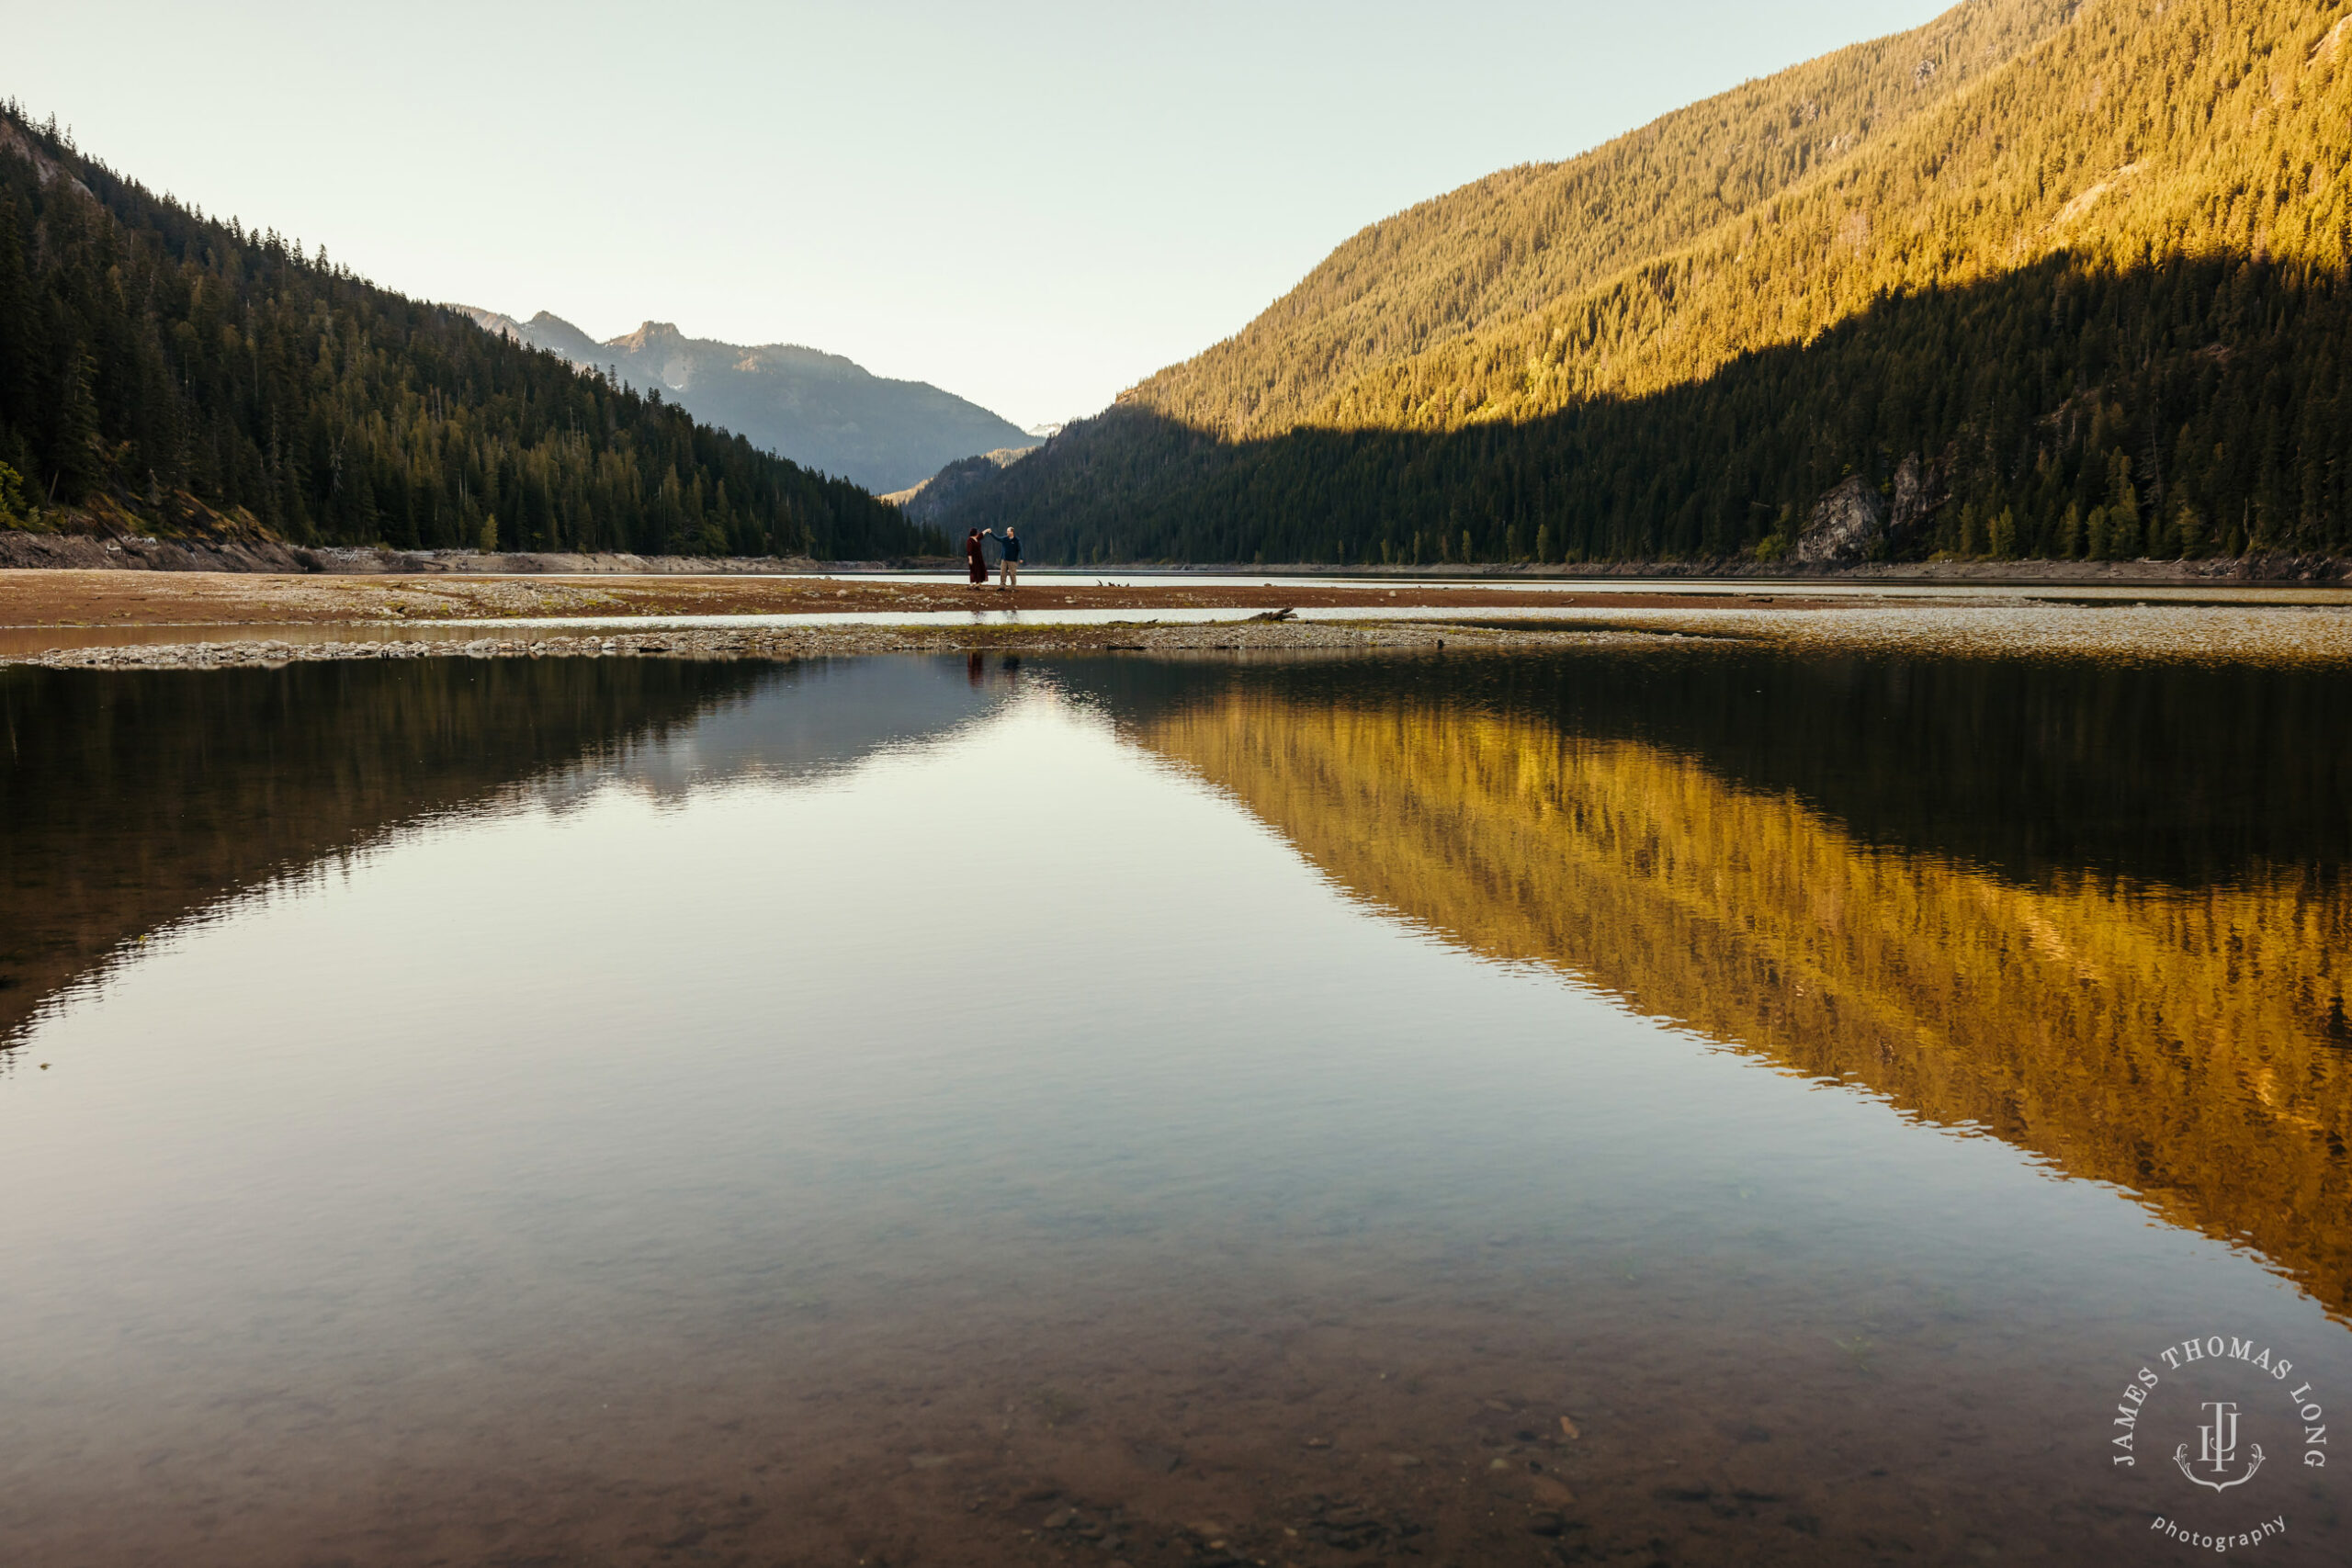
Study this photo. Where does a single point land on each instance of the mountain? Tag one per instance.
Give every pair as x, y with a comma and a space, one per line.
2040, 277
817, 409
939, 495
161, 372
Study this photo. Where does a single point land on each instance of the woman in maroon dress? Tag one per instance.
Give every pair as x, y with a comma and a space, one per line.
977, 558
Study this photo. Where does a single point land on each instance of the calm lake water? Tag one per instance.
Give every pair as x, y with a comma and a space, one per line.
1708, 1105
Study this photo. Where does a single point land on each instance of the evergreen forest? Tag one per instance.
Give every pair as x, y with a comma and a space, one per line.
2054, 280
164, 372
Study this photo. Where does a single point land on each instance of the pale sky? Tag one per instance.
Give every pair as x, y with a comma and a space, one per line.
1033, 205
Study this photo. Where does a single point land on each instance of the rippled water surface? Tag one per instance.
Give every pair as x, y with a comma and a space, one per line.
1718, 1104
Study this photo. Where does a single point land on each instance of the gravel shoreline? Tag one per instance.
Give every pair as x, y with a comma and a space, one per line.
831, 641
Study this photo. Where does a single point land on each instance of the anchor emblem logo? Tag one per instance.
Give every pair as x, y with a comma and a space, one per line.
2217, 1448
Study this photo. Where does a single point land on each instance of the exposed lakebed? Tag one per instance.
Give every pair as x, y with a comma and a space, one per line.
1708, 1102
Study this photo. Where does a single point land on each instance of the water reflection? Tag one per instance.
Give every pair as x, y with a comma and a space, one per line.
1770, 857
133, 801
866, 1111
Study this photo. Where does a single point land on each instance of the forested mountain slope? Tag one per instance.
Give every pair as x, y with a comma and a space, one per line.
2088, 299
817, 409
1494, 254
164, 372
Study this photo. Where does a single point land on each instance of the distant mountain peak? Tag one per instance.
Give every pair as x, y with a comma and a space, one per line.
553, 332
489, 321
647, 334
817, 409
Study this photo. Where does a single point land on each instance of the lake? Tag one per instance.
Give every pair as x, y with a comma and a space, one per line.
1721, 1102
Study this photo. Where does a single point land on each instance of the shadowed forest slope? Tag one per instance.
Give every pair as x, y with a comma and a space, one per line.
163, 372
2102, 269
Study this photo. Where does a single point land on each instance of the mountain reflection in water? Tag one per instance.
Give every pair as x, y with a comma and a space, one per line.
1737, 845
135, 800
867, 1110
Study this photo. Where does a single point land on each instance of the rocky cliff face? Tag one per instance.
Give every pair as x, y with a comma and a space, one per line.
819, 410
1847, 525
1853, 523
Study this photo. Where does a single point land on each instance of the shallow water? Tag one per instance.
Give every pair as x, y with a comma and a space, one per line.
1722, 1103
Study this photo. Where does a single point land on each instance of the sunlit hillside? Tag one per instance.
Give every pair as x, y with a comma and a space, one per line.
1495, 261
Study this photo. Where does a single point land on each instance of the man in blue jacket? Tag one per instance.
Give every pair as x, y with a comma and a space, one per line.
1008, 559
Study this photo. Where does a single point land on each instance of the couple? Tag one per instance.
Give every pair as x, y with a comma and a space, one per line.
1008, 558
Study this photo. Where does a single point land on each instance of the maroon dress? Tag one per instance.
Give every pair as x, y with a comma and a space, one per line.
975, 557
